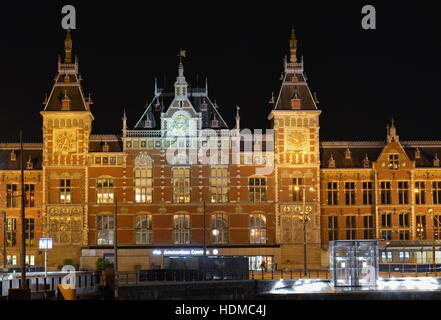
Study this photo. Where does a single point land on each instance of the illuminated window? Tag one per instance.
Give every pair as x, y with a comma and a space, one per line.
257, 189
30, 232
394, 162
386, 256
219, 184
104, 190
181, 229
12, 195
420, 192
349, 193
144, 230
181, 184
436, 192
11, 260
385, 192
65, 194
403, 192
30, 260
297, 192
143, 185
404, 256
219, 228
105, 230
11, 232
30, 195
257, 228
368, 194
332, 193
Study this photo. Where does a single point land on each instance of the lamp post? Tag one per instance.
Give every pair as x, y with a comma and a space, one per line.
304, 218
433, 239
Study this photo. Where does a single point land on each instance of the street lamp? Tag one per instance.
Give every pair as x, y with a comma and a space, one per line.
433, 239
304, 218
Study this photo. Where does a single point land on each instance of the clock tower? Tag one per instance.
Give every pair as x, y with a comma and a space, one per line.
295, 120
67, 123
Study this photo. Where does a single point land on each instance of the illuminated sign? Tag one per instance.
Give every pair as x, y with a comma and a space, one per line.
184, 252
45, 243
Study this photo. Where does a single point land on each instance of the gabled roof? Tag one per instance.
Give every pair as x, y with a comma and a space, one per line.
163, 99
373, 149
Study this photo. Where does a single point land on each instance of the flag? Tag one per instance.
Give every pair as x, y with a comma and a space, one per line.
182, 53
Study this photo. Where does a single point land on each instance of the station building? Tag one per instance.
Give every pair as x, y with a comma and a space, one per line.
168, 205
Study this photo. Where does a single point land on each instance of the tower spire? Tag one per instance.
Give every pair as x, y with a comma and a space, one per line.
68, 48
293, 46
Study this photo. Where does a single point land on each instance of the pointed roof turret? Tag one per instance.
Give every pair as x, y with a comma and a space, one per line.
68, 48
293, 46
392, 132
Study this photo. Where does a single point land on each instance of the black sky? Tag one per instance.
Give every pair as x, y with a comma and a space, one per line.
362, 78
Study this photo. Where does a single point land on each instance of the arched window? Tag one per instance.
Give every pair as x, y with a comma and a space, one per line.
143, 178
105, 190
143, 226
219, 228
181, 228
257, 228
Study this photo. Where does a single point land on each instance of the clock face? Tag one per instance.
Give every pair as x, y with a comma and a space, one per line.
296, 141
65, 141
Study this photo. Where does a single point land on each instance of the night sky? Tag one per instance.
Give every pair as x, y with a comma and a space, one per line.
362, 77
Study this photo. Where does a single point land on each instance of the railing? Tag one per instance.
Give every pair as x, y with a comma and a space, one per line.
393, 270
38, 283
143, 133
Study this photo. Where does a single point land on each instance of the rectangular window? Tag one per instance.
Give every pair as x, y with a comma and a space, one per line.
144, 185
333, 228
403, 218
257, 189
181, 184
385, 192
421, 227
30, 195
436, 192
181, 229
297, 193
257, 228
65, 195
332, 193
12, 200
219, 184
349, 193
30, 232
420, 192
219, 228
394, 162
386, 220
104, 190
436, 226
404, 235
11, 260
386, 257
351, 231
403, 192
368, 227
105, 230
30, 260
386, 234
368, 193
11, 232
144, 230
404, 256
